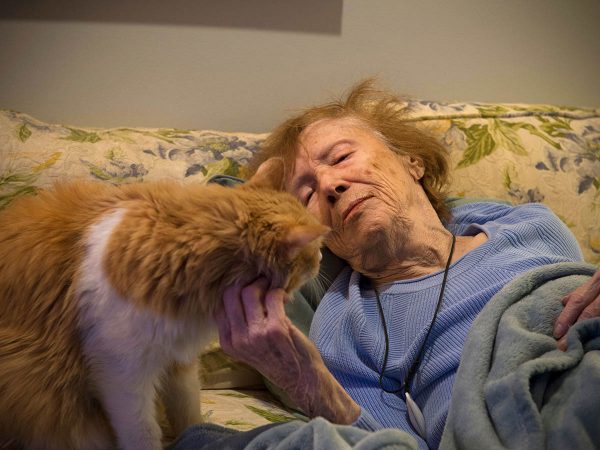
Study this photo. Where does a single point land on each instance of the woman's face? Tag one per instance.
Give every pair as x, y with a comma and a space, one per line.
352, 182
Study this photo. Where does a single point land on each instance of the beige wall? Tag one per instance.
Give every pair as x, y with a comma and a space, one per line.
244, 65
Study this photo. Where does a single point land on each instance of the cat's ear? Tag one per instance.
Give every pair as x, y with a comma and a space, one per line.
299, 236
269, 175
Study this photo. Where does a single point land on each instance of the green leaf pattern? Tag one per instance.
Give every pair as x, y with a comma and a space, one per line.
243, 409
14, 185
270, 415
24, 133
484, 139
523, 154
480, 143
78, 135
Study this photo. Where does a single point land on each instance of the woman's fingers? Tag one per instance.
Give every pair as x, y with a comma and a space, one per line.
224, 330
562, 343
583, 303
252, 323
274, 301
230, 319
252, 297
234, 311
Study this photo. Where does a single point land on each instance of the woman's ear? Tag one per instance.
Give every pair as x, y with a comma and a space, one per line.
269, 175
415, 167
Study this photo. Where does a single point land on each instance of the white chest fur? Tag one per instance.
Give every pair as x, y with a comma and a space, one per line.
129, 349
111, 322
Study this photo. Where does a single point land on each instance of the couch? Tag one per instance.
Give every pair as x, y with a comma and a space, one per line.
516, 153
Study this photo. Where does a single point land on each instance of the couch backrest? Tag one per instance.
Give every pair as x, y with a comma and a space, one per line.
516, 153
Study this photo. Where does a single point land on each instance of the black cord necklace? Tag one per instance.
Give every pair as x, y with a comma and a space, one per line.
415, 414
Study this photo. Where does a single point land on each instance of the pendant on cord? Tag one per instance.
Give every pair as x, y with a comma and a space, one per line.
415, 415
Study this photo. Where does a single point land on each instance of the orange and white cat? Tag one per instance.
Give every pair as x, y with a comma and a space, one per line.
107, 296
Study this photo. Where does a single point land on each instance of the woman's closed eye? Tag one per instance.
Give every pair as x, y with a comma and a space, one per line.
307, 196
341, 158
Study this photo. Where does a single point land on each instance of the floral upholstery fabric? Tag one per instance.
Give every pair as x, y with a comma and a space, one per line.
524, 153
35, 154
243, 409
517, 153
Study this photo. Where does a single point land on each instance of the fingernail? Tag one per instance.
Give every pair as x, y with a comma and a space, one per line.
559, 330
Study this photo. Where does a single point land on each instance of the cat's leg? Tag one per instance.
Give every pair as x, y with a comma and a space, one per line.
181, 396
125, 371
129, 401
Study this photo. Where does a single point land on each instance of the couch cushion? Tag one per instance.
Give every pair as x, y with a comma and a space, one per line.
524, 153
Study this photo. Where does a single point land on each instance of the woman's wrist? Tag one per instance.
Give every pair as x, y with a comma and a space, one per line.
331, 401
316, 392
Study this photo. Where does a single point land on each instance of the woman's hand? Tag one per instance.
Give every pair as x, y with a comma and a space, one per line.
254, 329
583, 303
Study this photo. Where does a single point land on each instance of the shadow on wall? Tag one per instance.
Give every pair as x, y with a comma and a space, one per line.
308, 16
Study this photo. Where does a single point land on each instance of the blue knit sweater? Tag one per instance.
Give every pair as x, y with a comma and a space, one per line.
347, 327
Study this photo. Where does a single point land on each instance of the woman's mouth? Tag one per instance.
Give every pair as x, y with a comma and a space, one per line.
353, 208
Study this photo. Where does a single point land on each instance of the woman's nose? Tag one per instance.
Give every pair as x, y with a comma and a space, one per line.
331, 184
334, 193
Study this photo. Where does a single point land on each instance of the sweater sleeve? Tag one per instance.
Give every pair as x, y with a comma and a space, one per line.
557, 236
532, 225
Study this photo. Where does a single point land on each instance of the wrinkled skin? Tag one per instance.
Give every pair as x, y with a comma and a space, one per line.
254, 329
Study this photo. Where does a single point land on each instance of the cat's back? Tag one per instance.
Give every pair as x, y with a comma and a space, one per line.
41, 239
62, 204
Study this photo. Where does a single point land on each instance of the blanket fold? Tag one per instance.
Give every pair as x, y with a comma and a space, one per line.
514, 389
296, 435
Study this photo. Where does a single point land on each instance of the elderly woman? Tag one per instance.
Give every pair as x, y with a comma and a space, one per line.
388, 334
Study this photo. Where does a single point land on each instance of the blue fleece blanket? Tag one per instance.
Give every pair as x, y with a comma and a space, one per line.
514, 389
